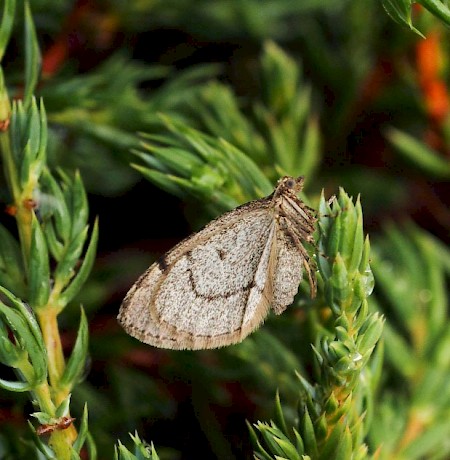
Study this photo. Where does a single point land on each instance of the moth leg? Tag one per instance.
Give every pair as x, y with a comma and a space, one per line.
331, 199
299, 223
312, 210
307, 261
300, 233
296, 237
299, 212
311, 278
329, 203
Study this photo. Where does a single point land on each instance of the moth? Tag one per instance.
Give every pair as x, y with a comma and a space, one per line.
218, 285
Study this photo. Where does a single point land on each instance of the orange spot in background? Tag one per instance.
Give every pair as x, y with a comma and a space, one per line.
428, 57
11, 210
86, 21
429, 61
436, 100
54, 58
376, 81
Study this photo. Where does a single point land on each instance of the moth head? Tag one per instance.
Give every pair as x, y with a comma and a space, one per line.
290, 185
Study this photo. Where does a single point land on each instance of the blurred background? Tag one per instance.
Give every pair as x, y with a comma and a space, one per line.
335, 90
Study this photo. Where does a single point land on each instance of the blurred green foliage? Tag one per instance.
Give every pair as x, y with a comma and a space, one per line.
212, 101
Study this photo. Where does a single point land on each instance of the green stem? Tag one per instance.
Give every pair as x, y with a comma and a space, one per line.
23, 219
41, 392
48, 321
60, 440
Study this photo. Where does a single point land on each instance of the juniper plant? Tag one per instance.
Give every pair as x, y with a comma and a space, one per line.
337, 398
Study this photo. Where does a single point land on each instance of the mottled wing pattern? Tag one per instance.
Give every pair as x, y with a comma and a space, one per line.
210, 290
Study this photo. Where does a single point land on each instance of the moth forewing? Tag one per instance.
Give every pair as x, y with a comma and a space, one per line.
216, 286
204, 299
